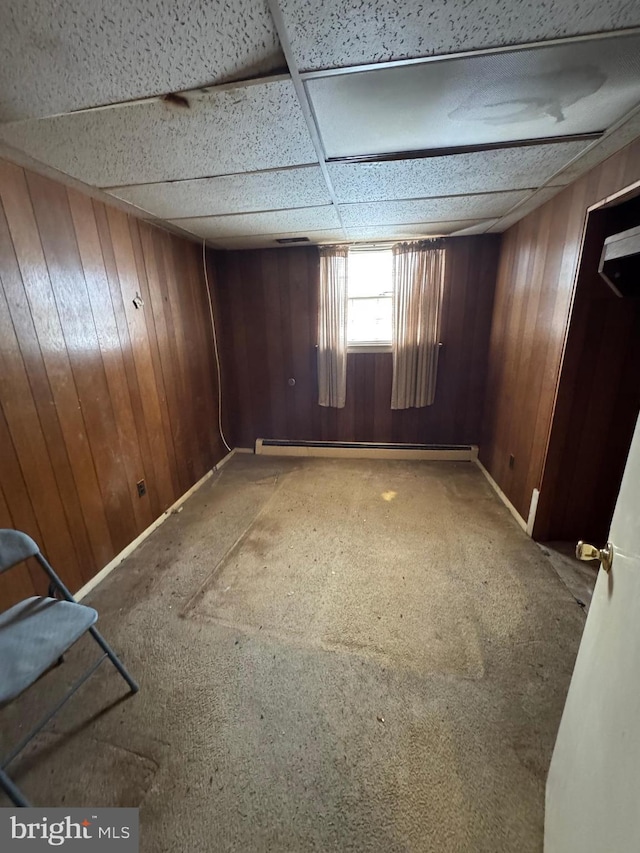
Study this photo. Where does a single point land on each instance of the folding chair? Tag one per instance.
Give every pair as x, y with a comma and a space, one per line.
34, 635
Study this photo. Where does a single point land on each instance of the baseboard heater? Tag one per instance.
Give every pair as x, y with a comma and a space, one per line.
367, 450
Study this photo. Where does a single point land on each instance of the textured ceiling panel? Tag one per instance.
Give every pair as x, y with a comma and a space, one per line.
335, 34
274, 222
269, 241
456, 174
534, 201
607, 146
430, 209
239, 129
84, 53
526, 94
405, 232
303, 187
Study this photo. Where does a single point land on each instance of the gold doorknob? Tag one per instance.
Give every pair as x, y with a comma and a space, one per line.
584, 551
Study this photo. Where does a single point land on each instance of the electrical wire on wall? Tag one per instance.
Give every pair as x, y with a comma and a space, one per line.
215, 344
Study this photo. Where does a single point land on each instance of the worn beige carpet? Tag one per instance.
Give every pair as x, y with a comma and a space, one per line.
333, 656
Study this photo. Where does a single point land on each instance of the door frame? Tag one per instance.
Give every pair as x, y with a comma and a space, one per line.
539, 524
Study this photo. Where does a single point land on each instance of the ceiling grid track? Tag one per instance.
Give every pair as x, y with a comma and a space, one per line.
305, 105
247, 122
551, 182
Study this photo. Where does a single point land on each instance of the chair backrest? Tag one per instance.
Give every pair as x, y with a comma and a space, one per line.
15, 547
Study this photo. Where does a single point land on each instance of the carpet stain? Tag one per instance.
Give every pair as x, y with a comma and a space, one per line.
273, 625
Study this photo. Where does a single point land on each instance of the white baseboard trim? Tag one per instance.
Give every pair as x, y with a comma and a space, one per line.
103, 573
533, 508
229, 456
505, 500
364, 452
225, 459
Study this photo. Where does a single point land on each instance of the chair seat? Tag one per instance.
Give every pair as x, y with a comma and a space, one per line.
33, 635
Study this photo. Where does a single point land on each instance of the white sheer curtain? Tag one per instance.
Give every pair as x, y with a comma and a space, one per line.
418, 279
332, 326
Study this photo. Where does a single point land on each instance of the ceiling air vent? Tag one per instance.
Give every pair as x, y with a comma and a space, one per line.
293, 240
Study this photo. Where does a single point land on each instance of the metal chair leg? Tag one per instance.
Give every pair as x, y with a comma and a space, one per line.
12, 791
106, 648
115, 660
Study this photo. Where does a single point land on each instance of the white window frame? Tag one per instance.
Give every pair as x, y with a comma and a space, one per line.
370, 346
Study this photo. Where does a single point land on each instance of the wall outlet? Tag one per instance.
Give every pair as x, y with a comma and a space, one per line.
142, 488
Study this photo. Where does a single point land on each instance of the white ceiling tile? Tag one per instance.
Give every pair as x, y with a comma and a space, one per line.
485, 206
405, 232
281, 222
334, 34
534, 201
237, 129
297, 187
269, 241
84, 53
542, 92
455, 174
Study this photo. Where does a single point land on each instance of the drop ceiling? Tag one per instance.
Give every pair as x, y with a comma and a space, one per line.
246, 121
489, 98
70, 55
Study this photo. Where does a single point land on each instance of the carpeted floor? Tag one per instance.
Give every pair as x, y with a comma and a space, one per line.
334, 656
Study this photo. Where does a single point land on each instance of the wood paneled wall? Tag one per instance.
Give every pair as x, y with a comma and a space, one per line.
267, 317
95, 394
534, 289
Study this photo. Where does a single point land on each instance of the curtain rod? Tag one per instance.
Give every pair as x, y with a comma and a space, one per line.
372, 246
387, 244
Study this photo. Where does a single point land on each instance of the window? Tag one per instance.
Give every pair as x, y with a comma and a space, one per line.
370, 298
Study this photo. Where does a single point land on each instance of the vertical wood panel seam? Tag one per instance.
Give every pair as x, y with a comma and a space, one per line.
64, 337
28, 298
104, 370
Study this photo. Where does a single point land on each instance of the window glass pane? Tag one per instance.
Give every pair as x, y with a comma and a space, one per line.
370, 273
370, 291
370, 320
